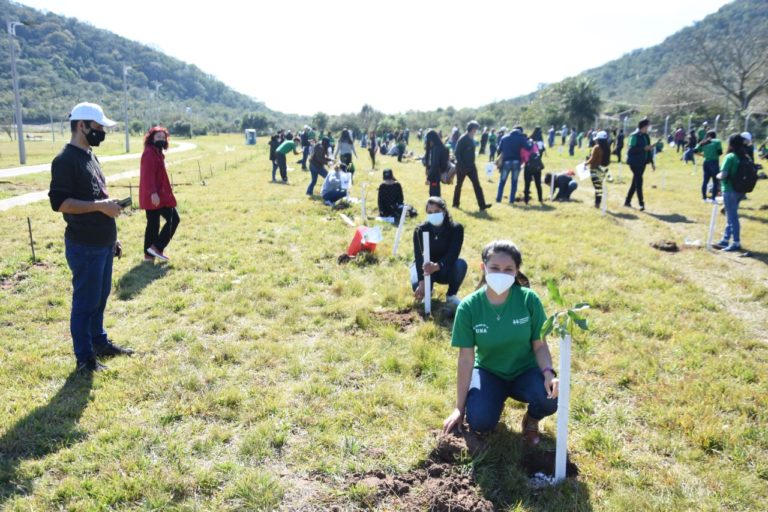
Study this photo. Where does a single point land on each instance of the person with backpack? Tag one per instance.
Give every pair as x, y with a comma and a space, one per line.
737, 176
510, 147
436, 156
639, 153
711, 148
466, 168
532, 172
598, 163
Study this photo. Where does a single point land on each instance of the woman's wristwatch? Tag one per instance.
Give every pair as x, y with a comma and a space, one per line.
549, 369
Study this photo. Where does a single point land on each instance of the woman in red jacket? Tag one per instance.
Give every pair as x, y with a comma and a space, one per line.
156, 196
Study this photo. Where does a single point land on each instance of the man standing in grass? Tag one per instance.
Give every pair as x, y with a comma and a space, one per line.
466, 168
79, 191
711, 148
639, 153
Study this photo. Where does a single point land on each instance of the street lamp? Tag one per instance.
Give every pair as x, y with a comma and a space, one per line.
19, 122
125, 106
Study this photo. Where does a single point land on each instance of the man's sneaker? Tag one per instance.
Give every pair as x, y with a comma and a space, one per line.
110, 349
453, 300
485, 206
722, 244
157, 253
627, 205
708, 200
642, 208
733, 247
90, 366
530, 431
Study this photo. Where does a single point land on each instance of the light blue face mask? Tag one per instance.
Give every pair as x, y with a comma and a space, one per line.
436, 219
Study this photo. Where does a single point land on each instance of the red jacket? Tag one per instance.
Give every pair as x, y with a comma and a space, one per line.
154, 179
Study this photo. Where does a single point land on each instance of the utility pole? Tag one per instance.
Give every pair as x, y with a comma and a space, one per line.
125, 106
19, 122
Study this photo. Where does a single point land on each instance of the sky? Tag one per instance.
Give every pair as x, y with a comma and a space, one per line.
335, 56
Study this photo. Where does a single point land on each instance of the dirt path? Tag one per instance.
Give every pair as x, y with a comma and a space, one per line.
34, 169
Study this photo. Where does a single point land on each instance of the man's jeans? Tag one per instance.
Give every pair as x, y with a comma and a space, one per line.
711, 168
91, 282
487, 394
304, 156
510, 167
315, 171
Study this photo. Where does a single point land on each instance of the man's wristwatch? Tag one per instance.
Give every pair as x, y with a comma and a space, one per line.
549, 369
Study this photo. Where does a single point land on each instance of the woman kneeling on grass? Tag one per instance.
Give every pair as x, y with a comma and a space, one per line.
502, 354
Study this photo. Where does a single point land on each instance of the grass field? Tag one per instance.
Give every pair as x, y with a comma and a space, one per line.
268, 376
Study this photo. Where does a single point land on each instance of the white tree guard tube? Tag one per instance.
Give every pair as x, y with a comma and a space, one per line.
563, 408
363, 213
712, 221
399, 232
427, 279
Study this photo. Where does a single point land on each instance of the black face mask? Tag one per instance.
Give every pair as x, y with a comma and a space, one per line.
95, 137
160, 144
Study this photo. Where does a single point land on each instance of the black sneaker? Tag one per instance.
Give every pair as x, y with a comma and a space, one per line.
90, 366
110, 349
642, 208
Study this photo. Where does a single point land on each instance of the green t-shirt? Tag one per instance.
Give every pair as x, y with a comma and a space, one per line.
286, 147
701, 133
729, 168
501, 335
711, 151
492, 139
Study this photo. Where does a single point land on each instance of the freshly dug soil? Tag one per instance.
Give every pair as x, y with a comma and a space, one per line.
666, 246
440, 485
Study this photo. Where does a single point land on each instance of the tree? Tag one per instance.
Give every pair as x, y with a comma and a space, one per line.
320, 121
579, 100
257, 121
732, 63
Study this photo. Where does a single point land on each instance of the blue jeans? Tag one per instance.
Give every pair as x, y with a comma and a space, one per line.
710, 172
315, 171
732, 226
453, 276
91, 283
509, 167
334, 195
487, 394
304, 155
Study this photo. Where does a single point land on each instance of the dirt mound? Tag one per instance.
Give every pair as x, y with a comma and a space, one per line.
440, 485
666, 246
402, 318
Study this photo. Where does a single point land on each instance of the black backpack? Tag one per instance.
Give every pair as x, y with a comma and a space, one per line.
745, 178
534, 163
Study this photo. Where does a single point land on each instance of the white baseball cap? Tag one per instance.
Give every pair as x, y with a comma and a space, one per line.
746, 136
90, 112
602, 134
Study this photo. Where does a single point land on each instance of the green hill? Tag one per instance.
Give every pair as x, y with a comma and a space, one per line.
62, 61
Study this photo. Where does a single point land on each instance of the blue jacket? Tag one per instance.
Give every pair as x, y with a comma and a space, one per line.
511, 144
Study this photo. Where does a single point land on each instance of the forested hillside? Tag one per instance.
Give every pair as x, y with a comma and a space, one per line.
62, 61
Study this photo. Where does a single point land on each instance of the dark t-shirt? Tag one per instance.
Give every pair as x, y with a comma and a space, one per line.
76, 174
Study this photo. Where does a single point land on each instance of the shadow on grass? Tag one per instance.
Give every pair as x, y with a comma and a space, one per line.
752, 217
673, 218
760, 256
625, 216
503, 480
45, 430
138, 278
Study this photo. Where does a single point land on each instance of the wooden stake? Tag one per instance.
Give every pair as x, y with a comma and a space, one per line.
31, 240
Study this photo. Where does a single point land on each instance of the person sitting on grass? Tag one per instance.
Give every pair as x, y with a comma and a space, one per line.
565, 185
445, 240
333, 186
501, 352
390, 196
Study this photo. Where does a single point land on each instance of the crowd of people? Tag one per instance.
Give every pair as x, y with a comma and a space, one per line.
496, 328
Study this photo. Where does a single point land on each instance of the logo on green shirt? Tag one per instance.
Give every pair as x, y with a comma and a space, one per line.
481, 329
521, 321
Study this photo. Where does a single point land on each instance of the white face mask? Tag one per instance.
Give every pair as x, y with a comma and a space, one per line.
499, 282
436, 219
